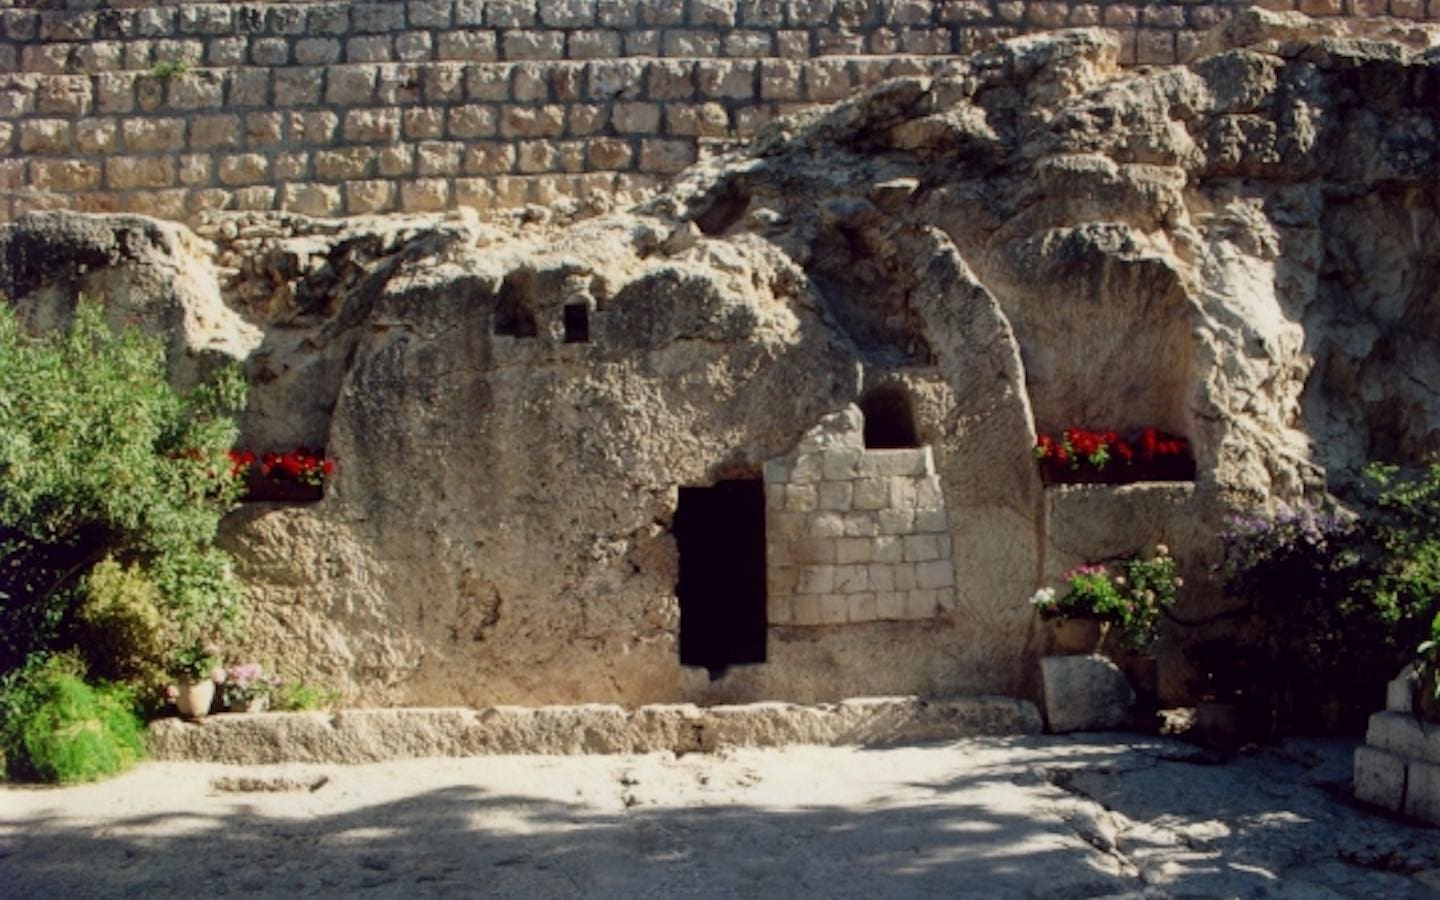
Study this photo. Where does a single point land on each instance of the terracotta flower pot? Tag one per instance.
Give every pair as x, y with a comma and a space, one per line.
1075, 635
194, 698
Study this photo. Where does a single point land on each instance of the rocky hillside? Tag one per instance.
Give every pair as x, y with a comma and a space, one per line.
1241, 251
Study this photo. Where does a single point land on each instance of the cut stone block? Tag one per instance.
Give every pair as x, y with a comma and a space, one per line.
1404, 734
1400, 692
1084, 693
1380, 778
1422, 791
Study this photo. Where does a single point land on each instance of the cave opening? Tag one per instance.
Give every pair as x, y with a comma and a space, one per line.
889, 418
720, 533
577, 323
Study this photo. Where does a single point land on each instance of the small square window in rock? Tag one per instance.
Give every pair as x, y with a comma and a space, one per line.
577, 323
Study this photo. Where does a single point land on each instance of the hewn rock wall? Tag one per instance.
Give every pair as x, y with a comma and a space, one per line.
1240, 250
329, 108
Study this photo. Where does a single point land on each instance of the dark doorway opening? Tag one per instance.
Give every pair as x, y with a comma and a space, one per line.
577, 323
889, 418
720, 531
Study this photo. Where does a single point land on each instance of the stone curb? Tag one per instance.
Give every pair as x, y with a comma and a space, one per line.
375, 735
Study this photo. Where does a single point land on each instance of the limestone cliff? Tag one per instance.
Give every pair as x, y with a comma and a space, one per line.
1240, 250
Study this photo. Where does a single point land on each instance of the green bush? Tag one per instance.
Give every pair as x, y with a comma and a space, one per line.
54, 727
1334, 603
122, 631
101, 458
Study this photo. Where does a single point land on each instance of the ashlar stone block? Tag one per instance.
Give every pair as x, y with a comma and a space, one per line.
806, 610
938, 574
1422, 790
861, 524
863, 608
854, 550
852, 579
836, 495
1380, 778
834, 609
872, 493
890, 605
826, 524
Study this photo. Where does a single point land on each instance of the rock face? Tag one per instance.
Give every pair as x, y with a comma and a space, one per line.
526, 415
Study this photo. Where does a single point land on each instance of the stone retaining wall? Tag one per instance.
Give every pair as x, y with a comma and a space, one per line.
341, 108
375, 735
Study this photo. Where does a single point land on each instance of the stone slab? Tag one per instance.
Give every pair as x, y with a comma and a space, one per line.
1084, 693
375, 735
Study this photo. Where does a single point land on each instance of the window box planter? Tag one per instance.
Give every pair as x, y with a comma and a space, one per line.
1078, 456
294, 477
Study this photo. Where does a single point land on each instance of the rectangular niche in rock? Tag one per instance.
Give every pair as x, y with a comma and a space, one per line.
1080, 456
720, 531
297, 476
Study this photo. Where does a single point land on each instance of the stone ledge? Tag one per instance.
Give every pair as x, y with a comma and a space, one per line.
375, 735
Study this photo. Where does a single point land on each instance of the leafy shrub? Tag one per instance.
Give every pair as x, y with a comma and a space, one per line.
1334, 604
297, 696
121, 626
100, 458
54, 727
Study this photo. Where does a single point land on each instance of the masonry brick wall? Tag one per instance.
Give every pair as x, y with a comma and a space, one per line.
853, 534
330, 108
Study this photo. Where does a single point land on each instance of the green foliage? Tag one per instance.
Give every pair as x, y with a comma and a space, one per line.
170, 68
120, 624
1130, 594
1334, 604
296, 696
100, 458
194, 661
54, 727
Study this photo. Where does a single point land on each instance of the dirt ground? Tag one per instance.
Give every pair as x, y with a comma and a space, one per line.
1088, 816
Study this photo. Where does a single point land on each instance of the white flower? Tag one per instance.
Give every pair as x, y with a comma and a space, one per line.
1179, 582
1119, 579
1162, 550
1043, 597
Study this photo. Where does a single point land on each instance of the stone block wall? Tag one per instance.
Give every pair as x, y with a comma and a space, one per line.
1399, 766
855, 535
328, 108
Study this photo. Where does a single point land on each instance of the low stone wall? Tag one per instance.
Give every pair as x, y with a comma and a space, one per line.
1399, 766
374, 735
331, 108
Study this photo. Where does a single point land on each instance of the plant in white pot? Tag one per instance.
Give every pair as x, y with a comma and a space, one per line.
196, 669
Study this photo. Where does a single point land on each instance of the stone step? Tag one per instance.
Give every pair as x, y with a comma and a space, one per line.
374, 735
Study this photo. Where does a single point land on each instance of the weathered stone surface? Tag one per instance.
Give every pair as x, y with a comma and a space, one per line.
1084, 693
1238, 250
372, 735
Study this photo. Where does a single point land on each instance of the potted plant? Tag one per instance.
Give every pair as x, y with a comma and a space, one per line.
1127, 596
247, 688
197, 670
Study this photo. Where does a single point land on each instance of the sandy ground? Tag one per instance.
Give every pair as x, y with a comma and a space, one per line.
1016, 817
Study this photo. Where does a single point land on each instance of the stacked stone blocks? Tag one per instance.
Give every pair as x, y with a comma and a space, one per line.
856, 535
330, 108
1399, 766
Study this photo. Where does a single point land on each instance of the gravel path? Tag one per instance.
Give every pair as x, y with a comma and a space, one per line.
1019, 817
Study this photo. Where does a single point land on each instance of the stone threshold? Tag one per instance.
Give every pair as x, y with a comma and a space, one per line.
376, 735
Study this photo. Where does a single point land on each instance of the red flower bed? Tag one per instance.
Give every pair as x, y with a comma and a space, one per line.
297, 475
1078, 456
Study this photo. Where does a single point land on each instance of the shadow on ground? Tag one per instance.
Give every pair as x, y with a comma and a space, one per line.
994, 820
